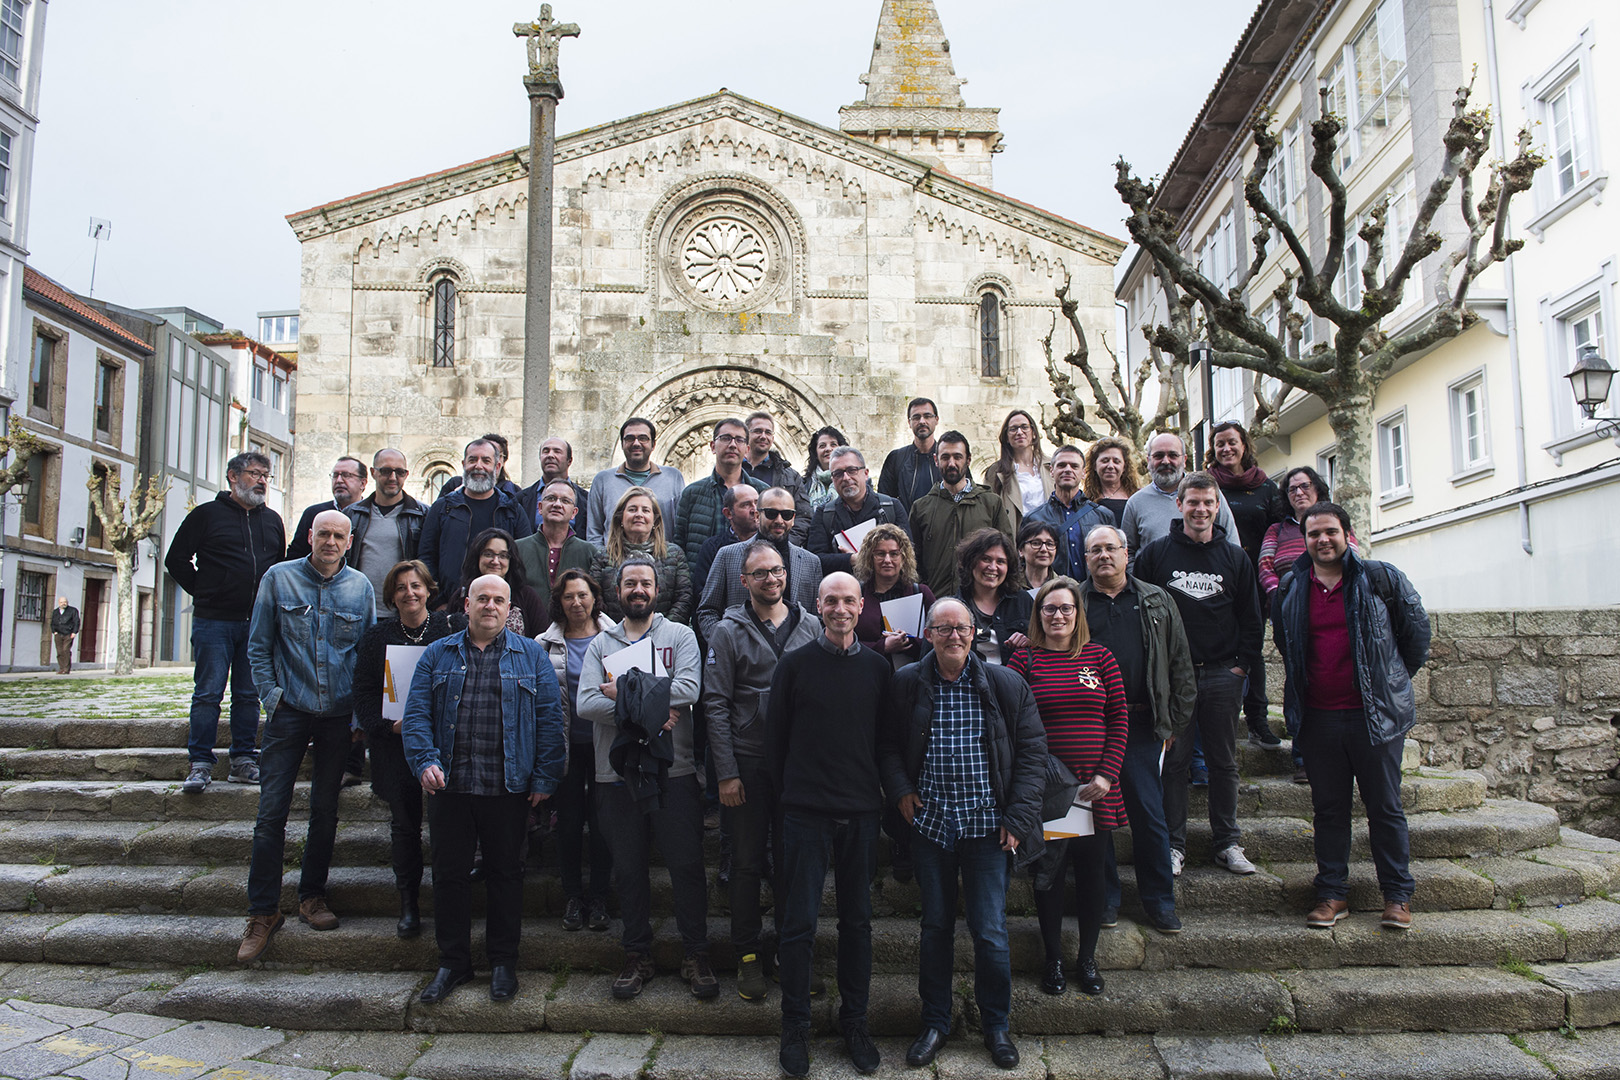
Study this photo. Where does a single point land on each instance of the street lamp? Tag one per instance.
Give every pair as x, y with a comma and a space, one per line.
1590, 380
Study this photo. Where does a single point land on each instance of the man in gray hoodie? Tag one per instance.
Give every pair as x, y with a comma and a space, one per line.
677, 826
743, 650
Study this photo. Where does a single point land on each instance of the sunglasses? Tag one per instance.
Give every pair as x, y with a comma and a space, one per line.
773, 514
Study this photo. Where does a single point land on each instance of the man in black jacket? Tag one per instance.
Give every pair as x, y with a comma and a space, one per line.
964, 759
218, 555
1352, 633
64, 628
856, 504
1212, 583
556, 458
348, 481
397, 519
767, 465
910, 472
476, 505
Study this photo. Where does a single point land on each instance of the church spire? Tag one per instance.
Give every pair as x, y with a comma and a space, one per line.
913, 102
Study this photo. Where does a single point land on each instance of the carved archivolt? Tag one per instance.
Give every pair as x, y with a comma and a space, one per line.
724, 151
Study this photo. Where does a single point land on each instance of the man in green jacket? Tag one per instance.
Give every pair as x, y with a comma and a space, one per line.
555, 548
698, 516
951, 512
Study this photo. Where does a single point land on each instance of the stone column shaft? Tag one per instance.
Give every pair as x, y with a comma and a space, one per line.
543, 98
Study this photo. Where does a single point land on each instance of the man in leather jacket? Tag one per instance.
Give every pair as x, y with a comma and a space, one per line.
374, 552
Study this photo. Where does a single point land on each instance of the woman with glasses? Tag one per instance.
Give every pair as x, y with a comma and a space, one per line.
1081, 697
493, 552
986, 567
818, 485
886, 567
1022, 477
1113, 473
1037, 550
637, 528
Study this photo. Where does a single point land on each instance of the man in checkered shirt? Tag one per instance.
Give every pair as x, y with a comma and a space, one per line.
964, 758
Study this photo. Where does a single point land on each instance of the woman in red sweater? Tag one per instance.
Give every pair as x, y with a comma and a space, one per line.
1081, 697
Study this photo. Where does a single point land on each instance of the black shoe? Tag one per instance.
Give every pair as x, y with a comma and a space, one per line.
1053, 981
410, 915
1086, 977
598, 918
1261, 735
1002, 1050
1110, 918
925, 1048
863, 1052
901, 868
794, 1056
502, 983
725, 869
443, 983
1165, 922
573, 914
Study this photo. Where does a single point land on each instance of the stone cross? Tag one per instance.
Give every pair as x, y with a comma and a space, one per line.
544, 37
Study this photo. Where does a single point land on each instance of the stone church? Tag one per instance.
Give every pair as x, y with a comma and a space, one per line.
710, 258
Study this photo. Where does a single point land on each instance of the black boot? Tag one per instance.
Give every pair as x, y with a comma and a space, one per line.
410, 918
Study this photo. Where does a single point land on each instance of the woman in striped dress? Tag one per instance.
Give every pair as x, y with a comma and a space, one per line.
1081, 697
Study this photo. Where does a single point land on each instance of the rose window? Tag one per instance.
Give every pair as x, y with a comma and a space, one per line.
724, 260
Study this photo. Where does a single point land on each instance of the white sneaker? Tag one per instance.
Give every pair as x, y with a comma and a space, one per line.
1177, 860
1234, 860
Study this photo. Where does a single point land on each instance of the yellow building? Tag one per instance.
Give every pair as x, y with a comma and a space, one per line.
1489, 487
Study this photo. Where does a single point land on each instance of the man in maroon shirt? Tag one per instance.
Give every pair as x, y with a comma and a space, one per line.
1352, 633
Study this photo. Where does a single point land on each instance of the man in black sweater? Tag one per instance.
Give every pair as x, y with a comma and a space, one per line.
1212, 583
821, 747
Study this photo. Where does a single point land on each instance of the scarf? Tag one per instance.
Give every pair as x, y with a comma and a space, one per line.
1247, 480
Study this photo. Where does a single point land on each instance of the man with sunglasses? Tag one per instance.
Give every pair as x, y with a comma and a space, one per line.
698, 516
725, 589
387, 523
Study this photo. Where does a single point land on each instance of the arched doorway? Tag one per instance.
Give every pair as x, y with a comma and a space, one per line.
688, 405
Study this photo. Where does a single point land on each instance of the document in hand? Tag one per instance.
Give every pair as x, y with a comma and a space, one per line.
850, 539
904, 615
637, 657
1077, 822
399, 664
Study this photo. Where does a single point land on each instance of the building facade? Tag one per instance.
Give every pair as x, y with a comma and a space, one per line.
710, 258
263, 388
22, 48
1489, 487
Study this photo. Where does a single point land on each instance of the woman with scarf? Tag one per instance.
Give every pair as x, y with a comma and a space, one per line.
818, 485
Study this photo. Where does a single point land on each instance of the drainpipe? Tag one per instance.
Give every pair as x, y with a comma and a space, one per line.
1499, 146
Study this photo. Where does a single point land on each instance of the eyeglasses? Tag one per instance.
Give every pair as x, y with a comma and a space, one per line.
1103, 549
496, 556
345, 475
554, 499
765, 575
1051, 610
963, 632
731, 440
924, 416
255, 474
1019, 427
636, 438
1305, 487
1044, 545
391, 472
839, 474
773, 514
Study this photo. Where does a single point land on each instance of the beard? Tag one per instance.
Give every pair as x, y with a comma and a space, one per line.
638, 607
478, 483
1167, 477
248, 496
951, 474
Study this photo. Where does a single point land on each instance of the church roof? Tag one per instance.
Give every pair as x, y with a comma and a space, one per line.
513, 165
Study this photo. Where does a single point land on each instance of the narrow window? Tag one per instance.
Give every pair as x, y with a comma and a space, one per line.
40, 376
444, 322
105, 374
1394, 474
990, 335
11, 40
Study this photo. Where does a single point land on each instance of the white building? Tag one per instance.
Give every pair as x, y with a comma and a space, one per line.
22, 47
263, 388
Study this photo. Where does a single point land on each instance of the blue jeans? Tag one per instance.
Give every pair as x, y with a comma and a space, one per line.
1339, 754
287, 734
984, 869
1143, 791
810, 842
219, 649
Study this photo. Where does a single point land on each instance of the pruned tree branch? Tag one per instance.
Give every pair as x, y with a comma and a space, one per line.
22, 445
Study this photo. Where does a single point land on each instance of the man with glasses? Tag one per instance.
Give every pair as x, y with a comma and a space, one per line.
218, 555
1149, 512
637, 438
724, 588
387, 524
1070, 513
766, 464
856, 504
1141, 626
698, 516
348, 482
910, 472
547, 553
556, 458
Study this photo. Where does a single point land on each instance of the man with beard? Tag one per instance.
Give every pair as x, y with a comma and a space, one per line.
739, 506
911, 472
1069, 512
674, 817
637, 438
556, 458
1150, 511
467, 511
766, 464
698, 516
856, 504
954, 510
348, 481
387, 524
725, 588
219, 554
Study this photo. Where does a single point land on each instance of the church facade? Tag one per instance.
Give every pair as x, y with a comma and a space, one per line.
709, 258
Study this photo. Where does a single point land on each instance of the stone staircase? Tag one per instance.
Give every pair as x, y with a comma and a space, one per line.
110, 876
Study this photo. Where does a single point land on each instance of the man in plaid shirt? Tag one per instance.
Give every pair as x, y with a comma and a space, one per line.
964, 758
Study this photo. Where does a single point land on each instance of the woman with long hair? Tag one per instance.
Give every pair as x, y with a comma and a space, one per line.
493, 551
818, 485
1113, 474
886, 567
986, 567
405, 591
1081, 698
576, 619
637, 528
1022, 476
1037, 551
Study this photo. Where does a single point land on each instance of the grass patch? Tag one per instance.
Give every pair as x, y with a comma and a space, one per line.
1514, 966
1568, 1031
1282, 1024
1519, 1041
560, 970
1517, 902
194, 969
652, 1055
568, 1062
160, 987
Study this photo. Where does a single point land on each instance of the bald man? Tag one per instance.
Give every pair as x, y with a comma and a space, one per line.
307, 619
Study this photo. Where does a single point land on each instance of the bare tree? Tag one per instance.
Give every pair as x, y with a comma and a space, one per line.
121, 535
22, 445
1346, 370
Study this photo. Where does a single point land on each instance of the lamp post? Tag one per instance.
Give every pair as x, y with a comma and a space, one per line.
1199, 357
1590, 380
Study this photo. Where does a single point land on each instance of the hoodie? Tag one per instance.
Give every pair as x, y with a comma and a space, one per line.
677, 651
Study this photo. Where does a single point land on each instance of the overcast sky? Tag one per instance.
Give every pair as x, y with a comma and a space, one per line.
196, 126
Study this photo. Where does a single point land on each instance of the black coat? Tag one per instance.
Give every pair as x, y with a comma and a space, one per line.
232, 548
407, 519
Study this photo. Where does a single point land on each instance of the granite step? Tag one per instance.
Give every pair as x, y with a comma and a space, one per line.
93, 733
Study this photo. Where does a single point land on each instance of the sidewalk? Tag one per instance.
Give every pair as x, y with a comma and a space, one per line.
95, 671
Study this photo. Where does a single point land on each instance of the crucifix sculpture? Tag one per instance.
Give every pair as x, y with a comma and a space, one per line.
544, 36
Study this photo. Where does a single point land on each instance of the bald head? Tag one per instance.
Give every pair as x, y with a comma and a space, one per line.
489, 598
328, 541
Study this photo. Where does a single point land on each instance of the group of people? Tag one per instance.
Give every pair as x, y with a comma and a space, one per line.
1079, 631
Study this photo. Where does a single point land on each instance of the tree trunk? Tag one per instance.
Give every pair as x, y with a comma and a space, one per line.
126, 612
1351, 417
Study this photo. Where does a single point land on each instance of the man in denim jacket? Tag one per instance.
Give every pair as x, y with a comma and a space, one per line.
307, 619
483, 730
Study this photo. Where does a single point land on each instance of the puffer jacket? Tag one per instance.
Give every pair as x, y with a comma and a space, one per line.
940, 521
1171, 682
737, 682
674, 582
699, 515
1389, 635
1014, 742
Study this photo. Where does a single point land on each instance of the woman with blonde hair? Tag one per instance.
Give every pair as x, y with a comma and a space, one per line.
886, 567
1113, 473
637, 528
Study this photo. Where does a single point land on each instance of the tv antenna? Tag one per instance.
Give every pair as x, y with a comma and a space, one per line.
100, 229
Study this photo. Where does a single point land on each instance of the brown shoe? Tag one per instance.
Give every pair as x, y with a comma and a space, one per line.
257, 938
315, 912
1326, 913
638, 968
1301, 776
1397, 916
